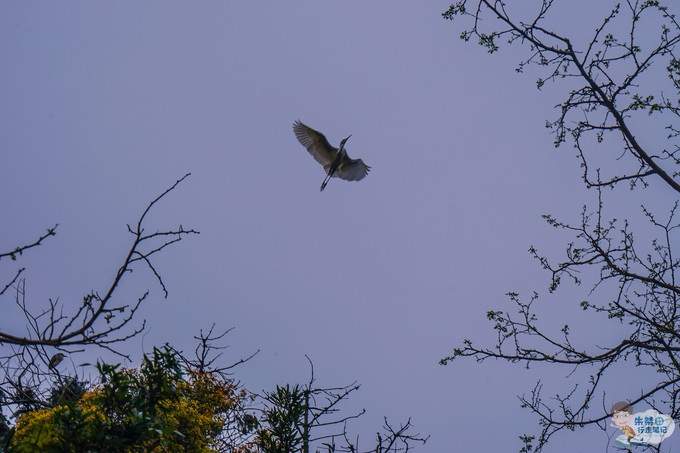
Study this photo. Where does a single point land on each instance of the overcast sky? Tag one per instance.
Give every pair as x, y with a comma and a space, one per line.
105, 104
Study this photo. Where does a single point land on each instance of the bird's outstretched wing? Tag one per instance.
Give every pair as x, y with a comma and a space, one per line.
315, 142
353, 170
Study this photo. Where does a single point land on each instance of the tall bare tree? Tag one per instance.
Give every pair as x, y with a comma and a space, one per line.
620, 110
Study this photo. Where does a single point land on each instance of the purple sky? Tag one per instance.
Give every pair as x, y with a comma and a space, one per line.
106, 104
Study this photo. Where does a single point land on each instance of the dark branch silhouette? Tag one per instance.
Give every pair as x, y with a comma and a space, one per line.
308, 418
28, 359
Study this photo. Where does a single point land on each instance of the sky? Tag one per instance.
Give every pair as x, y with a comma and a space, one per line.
105, 104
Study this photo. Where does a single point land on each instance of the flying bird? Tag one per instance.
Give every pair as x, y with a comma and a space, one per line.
335, 161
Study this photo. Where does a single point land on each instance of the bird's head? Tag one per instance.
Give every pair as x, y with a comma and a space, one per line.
343, 141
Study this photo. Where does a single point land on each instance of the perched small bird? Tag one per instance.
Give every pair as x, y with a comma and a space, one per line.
56, 360
335, 161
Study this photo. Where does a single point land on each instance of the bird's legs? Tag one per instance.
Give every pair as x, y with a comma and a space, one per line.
326, 180
331, 171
